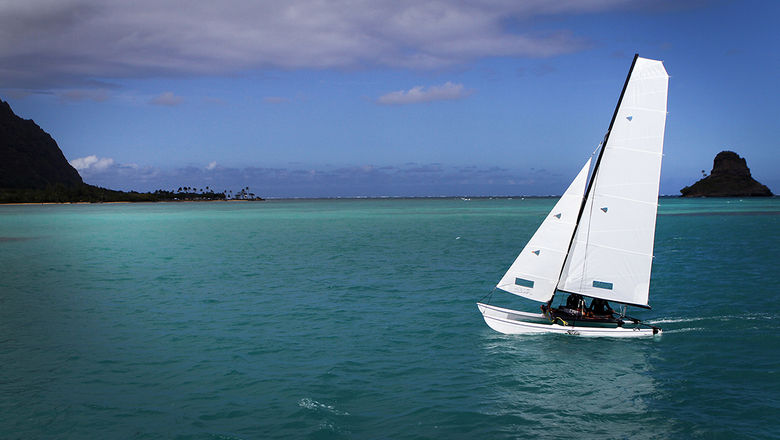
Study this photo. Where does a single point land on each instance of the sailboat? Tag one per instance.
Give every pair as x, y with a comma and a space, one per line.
597, 242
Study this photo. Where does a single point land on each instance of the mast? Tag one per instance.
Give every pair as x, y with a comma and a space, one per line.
598, 162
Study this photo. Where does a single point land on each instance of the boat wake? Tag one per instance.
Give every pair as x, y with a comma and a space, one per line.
673, 320
684, 330
743, 317
317, 406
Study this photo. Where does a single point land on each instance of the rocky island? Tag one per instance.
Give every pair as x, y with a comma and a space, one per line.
730, 177
34, 170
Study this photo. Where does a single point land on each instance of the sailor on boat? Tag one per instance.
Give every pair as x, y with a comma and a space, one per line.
575, 303
600, 307
575, 309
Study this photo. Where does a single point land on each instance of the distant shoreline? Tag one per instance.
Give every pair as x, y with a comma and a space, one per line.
124, 201
464, 198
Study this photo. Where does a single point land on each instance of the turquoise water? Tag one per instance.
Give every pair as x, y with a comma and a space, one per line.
357, 319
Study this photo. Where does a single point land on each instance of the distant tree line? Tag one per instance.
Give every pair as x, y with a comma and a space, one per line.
60, 193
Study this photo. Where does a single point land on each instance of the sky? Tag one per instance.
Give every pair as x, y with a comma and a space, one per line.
349, 98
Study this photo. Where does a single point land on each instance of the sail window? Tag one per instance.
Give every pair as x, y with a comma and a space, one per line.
536, 252
524, 283
602, 285
605, 209
629, 118
558, 215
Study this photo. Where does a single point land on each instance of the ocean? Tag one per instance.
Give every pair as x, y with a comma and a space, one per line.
356, 319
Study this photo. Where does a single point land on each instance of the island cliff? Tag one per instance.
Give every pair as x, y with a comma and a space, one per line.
730, 177
31, 159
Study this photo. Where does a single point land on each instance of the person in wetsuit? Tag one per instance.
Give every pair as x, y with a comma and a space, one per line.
600, 307
574, 302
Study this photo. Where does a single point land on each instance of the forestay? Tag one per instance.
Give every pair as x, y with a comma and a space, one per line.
612, 251
535, 272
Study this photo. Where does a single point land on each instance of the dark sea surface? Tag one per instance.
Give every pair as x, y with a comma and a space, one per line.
356, 319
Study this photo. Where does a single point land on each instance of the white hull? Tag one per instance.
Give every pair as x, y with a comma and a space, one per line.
513, 322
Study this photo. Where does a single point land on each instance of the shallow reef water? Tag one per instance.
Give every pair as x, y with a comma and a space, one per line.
357, 319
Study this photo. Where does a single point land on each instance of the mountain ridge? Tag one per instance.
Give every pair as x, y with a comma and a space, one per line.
30, 157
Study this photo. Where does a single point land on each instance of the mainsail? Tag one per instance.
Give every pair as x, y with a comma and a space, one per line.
535, 272
612, 251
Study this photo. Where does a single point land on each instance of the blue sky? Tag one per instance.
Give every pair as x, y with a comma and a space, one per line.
383, 98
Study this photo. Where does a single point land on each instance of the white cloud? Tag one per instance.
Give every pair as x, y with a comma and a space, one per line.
57, 42
92, 163
166, 99
444, 92
211, 165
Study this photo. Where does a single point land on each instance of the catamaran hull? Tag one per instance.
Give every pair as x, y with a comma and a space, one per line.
513, 322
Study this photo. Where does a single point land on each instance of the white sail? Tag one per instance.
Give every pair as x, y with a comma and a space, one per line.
612, 251
535, 272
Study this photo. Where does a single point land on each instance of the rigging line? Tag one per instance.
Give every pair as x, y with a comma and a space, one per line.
599, 146
587, 233
488, 296
585, 201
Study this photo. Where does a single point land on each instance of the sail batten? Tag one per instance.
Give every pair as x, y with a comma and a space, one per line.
628, 251
630, 200
635, 150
